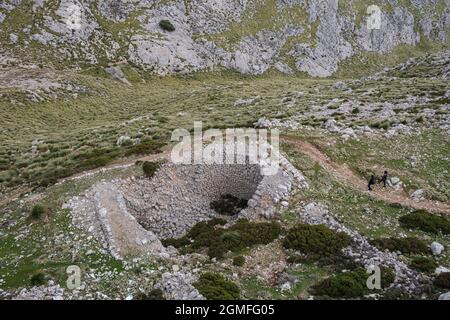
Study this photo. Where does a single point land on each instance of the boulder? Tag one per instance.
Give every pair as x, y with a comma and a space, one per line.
444, 296
395, 183
418, 195
441, 269
436, 248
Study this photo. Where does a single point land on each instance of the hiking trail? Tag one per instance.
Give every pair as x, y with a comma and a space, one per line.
344, 174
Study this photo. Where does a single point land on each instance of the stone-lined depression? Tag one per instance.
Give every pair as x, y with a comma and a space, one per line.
178, 196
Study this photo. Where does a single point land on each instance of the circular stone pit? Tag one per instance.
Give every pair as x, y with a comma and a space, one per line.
179, 196
132, 215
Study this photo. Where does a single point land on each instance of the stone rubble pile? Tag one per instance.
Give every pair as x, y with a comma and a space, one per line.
51, 291
178, 286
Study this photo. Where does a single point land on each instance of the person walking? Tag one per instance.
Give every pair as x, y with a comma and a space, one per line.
372, 181
384, 178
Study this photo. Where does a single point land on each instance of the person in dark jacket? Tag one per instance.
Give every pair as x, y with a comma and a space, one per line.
372, 181
384, 178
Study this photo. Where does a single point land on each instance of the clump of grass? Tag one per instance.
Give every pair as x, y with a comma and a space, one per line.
214, 286
426, 221
38, 212
239, 261
420, 119
145, 147
381, 125
166, 25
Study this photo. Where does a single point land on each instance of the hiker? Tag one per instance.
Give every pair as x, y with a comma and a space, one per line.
384, 178
372, 181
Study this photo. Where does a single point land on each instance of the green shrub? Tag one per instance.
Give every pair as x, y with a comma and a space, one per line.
426, 221
443, 280
387, 277
343, 285
150, 168
338, 262
239, 261
155, 294
145, 147
424, 264
93, 159
398, 294
37, 212
381, 125
420, 119
214, 286
351, 284
230, 236
405, 245
295, 258
355, 110
177, 243
218, 241
166, 25
316, 240
37, 279
228, 205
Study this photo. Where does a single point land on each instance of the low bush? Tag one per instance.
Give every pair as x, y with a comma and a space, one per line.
443, 280
351, 284
316, 240
228, 205
37, 212
145, 147
381, 125
155, 294
404, 245
339, 262
150, 168
94, 159
37, 279
166, 25
387, 277
424, 264
214, 286
239, 261
426, 221
218, 241
355, 110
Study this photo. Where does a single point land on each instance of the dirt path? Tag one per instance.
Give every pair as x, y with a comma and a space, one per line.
117, 165
346, 175
17, 193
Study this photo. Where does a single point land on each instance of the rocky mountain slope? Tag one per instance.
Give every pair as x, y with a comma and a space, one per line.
250, 36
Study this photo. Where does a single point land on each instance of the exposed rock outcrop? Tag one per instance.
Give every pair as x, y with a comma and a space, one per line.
306, 36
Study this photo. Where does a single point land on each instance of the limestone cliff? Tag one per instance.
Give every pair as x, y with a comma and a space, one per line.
250, 36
